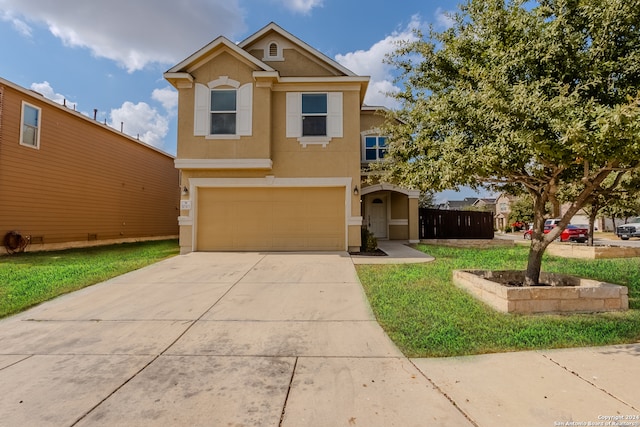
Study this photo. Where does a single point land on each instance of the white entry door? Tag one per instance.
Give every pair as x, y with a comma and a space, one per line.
377, 217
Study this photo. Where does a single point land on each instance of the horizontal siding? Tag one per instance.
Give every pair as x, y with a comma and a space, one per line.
83, 180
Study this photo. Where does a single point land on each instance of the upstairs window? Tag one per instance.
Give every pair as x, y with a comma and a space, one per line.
30, 126
223, 112
314, 117
375, 148
314, 114
223, 109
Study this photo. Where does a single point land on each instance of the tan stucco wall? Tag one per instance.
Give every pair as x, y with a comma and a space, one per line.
300, 65
371, 120
399, 206
297, 62
256, 146
414, 220
398, 232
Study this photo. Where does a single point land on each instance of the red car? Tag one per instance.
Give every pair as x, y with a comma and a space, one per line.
572, 233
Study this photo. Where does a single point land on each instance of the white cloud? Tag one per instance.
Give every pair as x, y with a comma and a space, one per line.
302, 6
370, 63
47, 91
168, 97
132, 33
18, 24
444, 19
140, 121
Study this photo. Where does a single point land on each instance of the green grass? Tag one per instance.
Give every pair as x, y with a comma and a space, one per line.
30, 278
427, 316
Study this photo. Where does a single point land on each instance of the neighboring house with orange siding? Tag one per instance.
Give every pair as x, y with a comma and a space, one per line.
67, 180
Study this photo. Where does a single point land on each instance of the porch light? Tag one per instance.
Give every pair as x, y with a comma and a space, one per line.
356, 191
185, 190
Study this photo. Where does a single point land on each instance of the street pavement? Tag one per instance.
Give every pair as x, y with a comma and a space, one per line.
277, 339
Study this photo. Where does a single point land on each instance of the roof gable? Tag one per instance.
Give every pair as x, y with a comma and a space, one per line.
272, 27
220, 43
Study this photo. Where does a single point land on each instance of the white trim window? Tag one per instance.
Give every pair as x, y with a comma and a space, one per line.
314, 114
374, 147
30, 125
314, 117
223, 109
223, 112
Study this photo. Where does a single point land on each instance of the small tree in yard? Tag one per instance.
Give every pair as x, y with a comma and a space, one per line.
521, 210
521, 96
618, 196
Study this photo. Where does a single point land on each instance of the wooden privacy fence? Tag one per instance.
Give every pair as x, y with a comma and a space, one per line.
441, 224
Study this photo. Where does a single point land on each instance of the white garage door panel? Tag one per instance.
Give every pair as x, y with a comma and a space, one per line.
270, 219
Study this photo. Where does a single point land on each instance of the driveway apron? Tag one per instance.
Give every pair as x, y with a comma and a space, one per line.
214, 339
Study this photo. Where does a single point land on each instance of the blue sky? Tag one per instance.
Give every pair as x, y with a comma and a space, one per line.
110, 55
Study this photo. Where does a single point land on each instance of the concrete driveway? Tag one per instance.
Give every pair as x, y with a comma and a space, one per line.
251, 339
214, 339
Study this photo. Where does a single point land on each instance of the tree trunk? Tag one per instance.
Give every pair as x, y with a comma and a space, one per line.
592, 221
538, 244
534, 263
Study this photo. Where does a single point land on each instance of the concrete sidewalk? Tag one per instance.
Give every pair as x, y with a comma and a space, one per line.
252, 339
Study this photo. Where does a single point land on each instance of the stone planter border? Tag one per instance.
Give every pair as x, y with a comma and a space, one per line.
592, 252
579, 296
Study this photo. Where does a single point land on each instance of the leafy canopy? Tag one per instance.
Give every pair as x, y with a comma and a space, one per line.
520, 96
523, 97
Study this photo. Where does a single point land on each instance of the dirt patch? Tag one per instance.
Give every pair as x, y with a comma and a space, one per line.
515, 278
377, 252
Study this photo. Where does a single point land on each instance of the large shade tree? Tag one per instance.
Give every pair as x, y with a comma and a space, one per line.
521, 96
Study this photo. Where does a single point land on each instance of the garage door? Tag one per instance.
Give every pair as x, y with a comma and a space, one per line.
270, 219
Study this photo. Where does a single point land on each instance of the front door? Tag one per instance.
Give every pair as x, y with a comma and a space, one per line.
377, 217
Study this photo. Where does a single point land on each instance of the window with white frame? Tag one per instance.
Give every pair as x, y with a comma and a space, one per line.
223, 109
223, 112
314, 114
375, 148
30, 126
314, 117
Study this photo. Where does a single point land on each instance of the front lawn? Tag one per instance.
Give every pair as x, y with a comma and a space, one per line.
427, 316
30, 278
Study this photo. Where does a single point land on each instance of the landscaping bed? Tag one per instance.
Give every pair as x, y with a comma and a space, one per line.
426, 315
557, 293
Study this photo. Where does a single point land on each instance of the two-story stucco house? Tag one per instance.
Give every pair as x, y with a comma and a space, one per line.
272, 138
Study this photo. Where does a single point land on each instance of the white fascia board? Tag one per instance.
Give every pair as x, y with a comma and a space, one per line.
178, 76
329, 79
224, 164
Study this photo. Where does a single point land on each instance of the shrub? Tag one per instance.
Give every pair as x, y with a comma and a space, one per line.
369, 241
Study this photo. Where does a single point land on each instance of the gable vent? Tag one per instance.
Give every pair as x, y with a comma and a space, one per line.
273, 49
